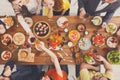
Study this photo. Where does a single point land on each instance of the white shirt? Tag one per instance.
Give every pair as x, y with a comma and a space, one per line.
101, 6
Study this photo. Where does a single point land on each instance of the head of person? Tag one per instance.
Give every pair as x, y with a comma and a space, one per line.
18, 2
47, 78
57, 4
48, 3
109, 1
100, 77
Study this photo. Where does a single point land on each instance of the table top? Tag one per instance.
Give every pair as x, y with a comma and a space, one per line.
41, 57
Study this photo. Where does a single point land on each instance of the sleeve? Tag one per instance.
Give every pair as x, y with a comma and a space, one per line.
109, 75
108, 16
66, 4
81, 4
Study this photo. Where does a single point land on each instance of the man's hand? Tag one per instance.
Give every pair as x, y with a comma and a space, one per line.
99, 58
82, 13
104, 25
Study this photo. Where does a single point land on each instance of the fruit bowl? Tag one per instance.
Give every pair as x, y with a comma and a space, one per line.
41, 29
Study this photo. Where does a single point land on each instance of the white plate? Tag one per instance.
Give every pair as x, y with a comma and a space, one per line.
6, 39
111, 28
60, 21
112, 42
6, 55
84, 43
19, 38
29, 21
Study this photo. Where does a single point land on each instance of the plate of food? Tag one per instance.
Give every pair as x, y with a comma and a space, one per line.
88, 59
98, 40
112, 42
29, 21
41, 29
7, 39
9, 22
74, 35
84, 43
62, 22
81, 27
23, 53
19, 38
6, 55
113, 57
97, 20
55, 41
2, 27
111, 28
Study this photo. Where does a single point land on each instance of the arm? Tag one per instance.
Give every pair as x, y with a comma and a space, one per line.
53, 59
39, 7
81, 9
17, 10
108, 16
63, 12
24, 24
106, 64
50, 13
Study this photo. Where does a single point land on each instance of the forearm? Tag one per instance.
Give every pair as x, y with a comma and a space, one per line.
24, 24
39, 7
63, 12
54, 60
107, 65
50, 13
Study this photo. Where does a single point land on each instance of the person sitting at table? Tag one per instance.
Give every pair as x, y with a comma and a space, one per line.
56, 73
89, 72
23, 72
26, 8
99, 6
57, 7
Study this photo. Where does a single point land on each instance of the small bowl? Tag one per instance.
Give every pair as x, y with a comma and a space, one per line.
97, 20
81, 27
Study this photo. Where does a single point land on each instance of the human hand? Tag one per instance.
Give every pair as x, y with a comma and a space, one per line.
42, 45
104, 25
82, 13
45, 78
99, 58
118, 32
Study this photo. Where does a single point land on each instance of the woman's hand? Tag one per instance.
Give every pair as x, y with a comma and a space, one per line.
99, 58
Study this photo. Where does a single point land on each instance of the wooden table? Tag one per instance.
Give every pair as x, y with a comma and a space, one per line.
73, 22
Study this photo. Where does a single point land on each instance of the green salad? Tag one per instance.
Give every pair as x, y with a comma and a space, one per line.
114, 57
89, 59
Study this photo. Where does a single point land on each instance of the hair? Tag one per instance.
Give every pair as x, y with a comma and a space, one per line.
11, 1
58, 5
